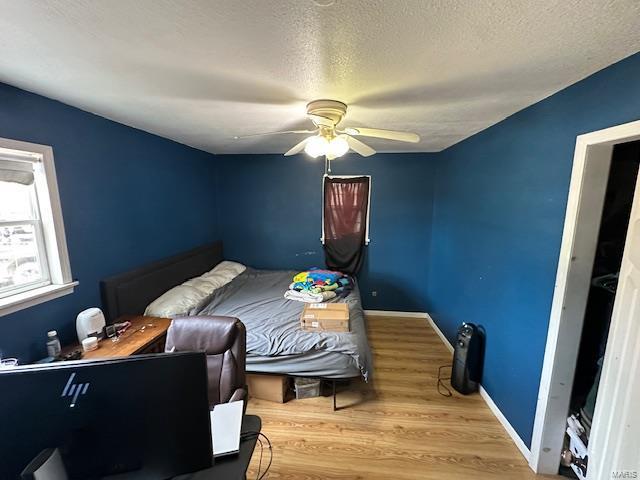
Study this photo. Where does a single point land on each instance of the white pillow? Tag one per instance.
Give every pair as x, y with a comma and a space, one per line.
193, 293
226, 268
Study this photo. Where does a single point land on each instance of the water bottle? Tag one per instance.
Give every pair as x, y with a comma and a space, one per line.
53, 344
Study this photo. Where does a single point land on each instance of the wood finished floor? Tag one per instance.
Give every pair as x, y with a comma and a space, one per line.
398, 427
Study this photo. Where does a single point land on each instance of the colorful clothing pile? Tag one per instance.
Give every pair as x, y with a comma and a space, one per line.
317, 285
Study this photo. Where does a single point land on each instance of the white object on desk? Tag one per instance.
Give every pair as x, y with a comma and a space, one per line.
90, 344
226, 422
89, 321
8, 362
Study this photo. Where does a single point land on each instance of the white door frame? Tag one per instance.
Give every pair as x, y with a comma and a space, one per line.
591, 162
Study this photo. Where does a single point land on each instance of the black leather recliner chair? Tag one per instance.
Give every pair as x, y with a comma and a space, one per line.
224, 340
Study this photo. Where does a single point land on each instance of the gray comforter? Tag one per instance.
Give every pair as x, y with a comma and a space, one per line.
273, 323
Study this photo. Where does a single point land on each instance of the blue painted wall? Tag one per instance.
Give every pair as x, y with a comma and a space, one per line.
500, 201
128, 197
270, 217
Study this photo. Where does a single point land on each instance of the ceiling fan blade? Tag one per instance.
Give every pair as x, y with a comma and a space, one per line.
298, 148
380, 133
238, 137
359, 147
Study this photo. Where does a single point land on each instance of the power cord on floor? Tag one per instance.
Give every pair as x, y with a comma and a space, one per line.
441, 385
257, 435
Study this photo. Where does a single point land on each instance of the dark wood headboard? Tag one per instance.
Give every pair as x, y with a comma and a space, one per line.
131, 292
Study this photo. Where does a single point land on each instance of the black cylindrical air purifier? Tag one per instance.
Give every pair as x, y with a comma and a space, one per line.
467, 359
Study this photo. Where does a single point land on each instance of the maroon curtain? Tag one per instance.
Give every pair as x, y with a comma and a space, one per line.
346, 203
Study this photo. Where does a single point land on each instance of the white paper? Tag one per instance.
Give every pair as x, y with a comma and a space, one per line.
226, 421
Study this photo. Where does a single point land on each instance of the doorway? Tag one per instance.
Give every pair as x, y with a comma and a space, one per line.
605, 274
589, 182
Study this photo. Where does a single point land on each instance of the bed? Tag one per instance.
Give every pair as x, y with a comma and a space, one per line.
275, 342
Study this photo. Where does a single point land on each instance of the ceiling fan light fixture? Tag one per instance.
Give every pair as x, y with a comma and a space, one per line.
338, 146
316, 146
330, 141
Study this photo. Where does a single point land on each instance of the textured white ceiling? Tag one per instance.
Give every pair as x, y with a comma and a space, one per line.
202, 71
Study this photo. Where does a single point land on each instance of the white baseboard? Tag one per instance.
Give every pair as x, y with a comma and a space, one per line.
444, 339
391, 313
526, 453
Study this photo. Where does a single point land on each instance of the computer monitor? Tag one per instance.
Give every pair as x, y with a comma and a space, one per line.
139, 417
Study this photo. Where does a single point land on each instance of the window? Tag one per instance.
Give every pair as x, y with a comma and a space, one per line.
345, 221
346, 206
34, 263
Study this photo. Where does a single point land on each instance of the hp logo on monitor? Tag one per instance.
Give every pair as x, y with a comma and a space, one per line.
74, 390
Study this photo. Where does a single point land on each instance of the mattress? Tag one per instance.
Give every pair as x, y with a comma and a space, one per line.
317, 363
275, 341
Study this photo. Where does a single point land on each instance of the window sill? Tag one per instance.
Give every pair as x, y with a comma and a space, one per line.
27, 299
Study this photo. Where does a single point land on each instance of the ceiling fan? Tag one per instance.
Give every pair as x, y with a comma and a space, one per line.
328, 140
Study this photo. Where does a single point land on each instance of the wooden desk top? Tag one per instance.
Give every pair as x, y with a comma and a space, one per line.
142, 332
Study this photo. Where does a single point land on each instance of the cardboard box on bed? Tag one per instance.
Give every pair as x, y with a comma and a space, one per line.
325, 317
274, 388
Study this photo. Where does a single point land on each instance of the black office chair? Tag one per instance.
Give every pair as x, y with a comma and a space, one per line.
223, 339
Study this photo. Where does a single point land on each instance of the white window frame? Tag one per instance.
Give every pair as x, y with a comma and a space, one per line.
52, 236
367, 240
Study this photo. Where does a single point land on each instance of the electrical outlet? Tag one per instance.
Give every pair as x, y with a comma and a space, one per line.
374, 293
